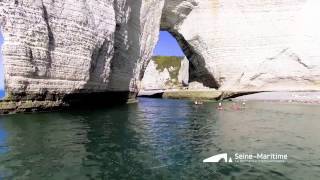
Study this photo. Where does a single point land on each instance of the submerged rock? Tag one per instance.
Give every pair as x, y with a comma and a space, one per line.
209, 94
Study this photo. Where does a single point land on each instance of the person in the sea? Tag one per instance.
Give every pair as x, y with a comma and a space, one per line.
196, 102
243, 105
235, 106
220, 106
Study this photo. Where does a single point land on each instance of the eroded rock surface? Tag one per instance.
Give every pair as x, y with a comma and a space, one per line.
154, 79
58, 48
68, 47
166, 73
183, 76
249, 45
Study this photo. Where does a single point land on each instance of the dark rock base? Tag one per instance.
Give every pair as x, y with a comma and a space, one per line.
16, 103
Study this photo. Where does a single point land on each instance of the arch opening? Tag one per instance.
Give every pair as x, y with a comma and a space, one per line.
198, 71
173, 17
176, 64
168, 68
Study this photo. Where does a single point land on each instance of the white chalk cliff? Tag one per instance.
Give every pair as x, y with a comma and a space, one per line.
183, 75
241, 45
67, 47
160, 79
154, 79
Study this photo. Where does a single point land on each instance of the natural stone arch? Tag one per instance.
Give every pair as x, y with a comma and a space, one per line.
197, 69
240, 46
173, 15
250, 46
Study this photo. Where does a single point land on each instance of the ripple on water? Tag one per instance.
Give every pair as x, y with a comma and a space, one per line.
160, 139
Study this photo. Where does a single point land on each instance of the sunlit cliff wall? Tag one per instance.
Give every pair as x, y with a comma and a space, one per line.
58, 48
242, 45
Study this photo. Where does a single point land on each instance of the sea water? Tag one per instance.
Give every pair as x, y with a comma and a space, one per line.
162, 139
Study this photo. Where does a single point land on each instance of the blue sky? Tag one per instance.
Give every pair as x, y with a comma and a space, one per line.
167, 45
1, 64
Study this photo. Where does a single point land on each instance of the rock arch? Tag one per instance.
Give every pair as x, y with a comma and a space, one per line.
173, 15
197, 70
56, 49
243, 46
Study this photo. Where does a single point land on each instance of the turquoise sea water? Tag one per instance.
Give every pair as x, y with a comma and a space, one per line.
161, 139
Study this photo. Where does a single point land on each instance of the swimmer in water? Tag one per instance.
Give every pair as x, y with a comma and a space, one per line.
198, 102
243, 105
220, 106
235, 106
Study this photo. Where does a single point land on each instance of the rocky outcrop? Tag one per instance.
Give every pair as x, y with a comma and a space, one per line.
248, 45
197, 85
66, 50
136, 35
54, 49
183, 76
154, 79
166, 73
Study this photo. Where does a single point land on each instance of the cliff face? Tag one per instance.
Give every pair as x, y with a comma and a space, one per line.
154, 79
70, 47
58, 48
248, 45
166, 72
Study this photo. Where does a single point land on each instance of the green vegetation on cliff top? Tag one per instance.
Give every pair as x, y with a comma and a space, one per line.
171, 63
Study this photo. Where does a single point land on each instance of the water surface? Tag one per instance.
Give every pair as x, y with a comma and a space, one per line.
160, 139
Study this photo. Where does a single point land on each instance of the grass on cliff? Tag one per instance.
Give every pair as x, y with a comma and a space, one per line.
171, 63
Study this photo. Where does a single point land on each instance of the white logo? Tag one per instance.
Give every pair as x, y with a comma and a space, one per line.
218, 158
247, 157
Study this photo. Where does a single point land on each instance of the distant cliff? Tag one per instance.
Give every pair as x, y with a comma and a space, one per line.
166, 72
